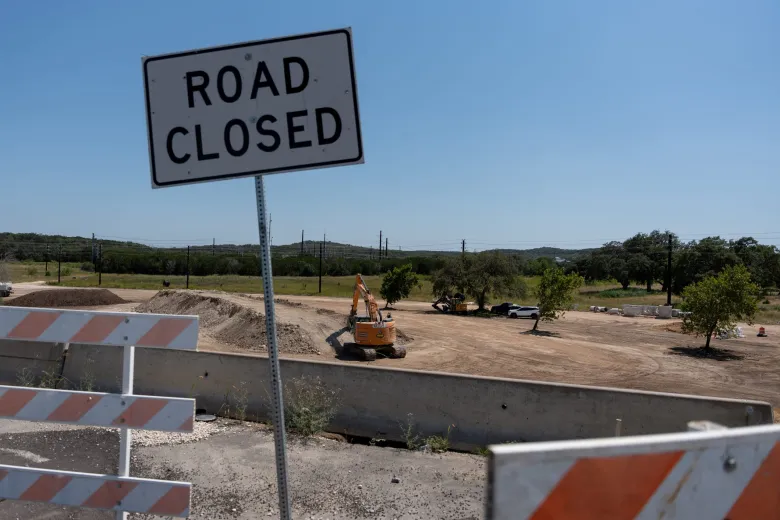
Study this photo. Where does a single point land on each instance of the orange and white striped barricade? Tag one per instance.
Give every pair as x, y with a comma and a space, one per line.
127, 411
712, 474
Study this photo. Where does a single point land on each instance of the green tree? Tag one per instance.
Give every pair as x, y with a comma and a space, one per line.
697, 260
555, 293
763, 261
718, 302
480, 276
398, 283
648, 256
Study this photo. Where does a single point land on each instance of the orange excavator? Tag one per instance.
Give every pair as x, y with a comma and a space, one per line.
373, 333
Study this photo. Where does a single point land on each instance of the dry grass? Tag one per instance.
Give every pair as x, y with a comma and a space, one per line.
36, 271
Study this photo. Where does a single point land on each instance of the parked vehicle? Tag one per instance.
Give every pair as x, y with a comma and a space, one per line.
517, 311
6, 289
502, 308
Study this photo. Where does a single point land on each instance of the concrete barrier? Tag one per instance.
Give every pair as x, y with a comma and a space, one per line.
21, 360
664, 312
374, 401
632, 310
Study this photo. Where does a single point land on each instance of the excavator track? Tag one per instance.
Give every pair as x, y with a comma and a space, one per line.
396, 351
368, 354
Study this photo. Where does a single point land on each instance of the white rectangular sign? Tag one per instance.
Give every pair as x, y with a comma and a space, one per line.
253, 108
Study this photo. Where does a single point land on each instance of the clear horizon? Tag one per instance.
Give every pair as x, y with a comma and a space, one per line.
515, 126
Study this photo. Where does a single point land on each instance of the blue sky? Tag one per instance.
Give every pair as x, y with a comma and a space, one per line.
508, 123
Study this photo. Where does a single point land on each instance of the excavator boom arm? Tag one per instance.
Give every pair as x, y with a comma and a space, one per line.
361, 290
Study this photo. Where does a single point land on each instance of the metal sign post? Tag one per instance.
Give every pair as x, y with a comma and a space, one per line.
248, 110
266, 272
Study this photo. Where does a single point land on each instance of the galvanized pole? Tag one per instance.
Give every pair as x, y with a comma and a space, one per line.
669, 273
273, 353
125, 434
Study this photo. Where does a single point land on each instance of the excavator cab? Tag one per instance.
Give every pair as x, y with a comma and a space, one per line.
373, 333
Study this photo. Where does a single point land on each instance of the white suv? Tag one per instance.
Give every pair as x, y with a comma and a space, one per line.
517, 311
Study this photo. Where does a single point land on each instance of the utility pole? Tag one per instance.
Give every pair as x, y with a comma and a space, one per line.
213, 246
59, 263
386, 248
380, 244
46, 270
100, 264
93, 248
669, 273
188, 267
463, 247
301, 242
320, 289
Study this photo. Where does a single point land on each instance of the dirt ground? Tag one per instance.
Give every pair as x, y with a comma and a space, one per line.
233, 473
582, 348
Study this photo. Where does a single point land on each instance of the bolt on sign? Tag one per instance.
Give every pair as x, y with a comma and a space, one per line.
126, 411
252, 108
719, 474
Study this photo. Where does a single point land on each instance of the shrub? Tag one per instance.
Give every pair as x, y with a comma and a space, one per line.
410, 435
439, 443
311, 405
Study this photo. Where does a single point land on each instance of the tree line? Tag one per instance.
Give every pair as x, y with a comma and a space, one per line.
642, 259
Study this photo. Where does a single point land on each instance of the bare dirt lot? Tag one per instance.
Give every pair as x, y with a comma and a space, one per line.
582, 348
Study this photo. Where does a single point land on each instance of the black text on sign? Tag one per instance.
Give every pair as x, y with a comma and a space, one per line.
256, 108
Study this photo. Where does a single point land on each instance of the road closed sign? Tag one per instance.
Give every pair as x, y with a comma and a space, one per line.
254, 108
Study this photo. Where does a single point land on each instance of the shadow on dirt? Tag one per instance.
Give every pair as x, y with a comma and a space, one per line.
541, 333
335, 343
341, 350
718, 354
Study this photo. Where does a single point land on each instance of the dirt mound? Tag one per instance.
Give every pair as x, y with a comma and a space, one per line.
230, 323
67, 298
674, 327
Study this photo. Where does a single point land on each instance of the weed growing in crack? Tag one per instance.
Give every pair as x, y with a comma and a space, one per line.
25, 377
311, 405
87, 380
240, 398
439, 443
409, 433
50, 379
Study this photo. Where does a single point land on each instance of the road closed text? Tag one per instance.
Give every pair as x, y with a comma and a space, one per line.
263, 130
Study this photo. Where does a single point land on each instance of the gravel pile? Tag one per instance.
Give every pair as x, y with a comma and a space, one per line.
202, 430
67, 298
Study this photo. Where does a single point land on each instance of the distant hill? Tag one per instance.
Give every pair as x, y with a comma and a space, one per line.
24, 245
548, 252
